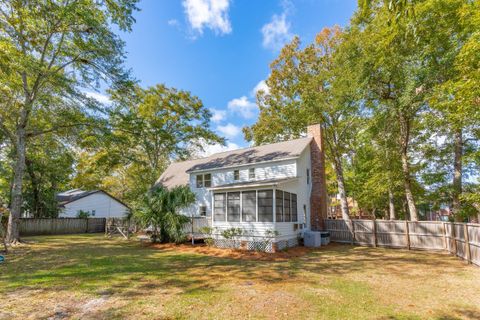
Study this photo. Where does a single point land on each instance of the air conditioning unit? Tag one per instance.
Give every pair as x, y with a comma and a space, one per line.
312, 239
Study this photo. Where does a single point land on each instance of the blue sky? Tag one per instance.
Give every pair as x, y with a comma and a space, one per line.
220, 50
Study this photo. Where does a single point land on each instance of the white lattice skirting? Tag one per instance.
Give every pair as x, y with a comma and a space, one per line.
262, 245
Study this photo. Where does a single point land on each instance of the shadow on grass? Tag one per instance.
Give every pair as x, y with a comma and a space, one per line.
93, 263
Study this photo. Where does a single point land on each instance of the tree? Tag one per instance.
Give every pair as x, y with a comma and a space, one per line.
393, 83
312, 85
160, 211
449, 33
149, 128
50, 51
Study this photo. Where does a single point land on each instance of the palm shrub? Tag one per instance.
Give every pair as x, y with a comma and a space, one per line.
160, 210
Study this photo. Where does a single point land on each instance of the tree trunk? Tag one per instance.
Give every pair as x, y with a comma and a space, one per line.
457, 174
412, 209
36, 205
391, 205
407, 180
13, 234
341, 188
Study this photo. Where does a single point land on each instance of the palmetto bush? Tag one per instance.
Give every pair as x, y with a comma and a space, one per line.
160, 212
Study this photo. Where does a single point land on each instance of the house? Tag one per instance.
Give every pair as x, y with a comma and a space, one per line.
97, 203
274, 191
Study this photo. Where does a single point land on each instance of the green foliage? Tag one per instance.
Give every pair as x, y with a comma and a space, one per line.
149, 127
83, 214
160, 212
232, 233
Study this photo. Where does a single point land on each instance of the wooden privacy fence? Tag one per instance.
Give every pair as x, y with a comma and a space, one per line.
460, 239
41, 226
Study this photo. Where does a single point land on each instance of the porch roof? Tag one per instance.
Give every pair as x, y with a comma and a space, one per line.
253, 184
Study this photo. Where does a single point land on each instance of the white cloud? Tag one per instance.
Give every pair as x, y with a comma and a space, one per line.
216, 148
262, 85
277, 32
212, 14
99, 97
229, 130
246, 108
218, 115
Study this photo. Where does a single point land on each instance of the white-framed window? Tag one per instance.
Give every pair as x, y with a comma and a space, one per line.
236, 175
93, 213
203, 211
251, 173
219, 206
233, 207
203, 180
207, 180
199, 179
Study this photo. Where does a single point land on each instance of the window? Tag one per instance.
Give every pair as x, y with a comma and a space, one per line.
294, 207
207, 180
308, 176
233, 207
251, 173
219, 206
286, 207
203, 211
279, 205
265, 205
249, 206
93, 213
236, 175
199, 181
204, 180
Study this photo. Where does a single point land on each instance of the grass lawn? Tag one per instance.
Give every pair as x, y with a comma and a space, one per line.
90, 277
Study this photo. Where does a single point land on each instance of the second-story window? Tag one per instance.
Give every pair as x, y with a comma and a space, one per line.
199, 181
308, 176
207, 180
251, 173
236, 175
204, 180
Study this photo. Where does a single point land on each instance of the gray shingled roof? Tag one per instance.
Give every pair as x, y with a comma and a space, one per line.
178, 173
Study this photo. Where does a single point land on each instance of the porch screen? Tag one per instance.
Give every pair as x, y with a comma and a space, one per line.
233, 206
286, 207
294, 207
219, 206
249, 206
265, 205
279, 205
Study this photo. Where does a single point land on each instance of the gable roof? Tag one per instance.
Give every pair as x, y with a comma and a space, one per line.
69, 196
178, 172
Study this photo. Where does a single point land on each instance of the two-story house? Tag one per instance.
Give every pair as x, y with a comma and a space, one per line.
276, 190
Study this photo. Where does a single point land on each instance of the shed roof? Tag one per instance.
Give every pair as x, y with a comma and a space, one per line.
75, 194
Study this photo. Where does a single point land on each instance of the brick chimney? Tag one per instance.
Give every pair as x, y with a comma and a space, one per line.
318, 197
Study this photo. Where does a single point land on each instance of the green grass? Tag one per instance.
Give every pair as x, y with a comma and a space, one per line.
88, 276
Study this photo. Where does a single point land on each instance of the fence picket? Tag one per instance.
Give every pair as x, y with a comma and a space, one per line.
460, 239
45, 226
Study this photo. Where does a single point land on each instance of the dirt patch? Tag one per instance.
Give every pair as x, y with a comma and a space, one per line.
234, 253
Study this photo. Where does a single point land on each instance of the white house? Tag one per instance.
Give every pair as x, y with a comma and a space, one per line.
276, 189
98, 204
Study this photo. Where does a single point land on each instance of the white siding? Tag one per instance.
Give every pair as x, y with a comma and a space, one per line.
273, 170
104, 206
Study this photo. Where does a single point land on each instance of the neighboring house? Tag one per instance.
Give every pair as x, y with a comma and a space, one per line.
97, 203
263, 190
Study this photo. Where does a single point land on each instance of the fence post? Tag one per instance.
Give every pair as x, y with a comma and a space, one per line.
467, 243
454, 238
375, 233
407, 235
86, 225
353, 232
445, 237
